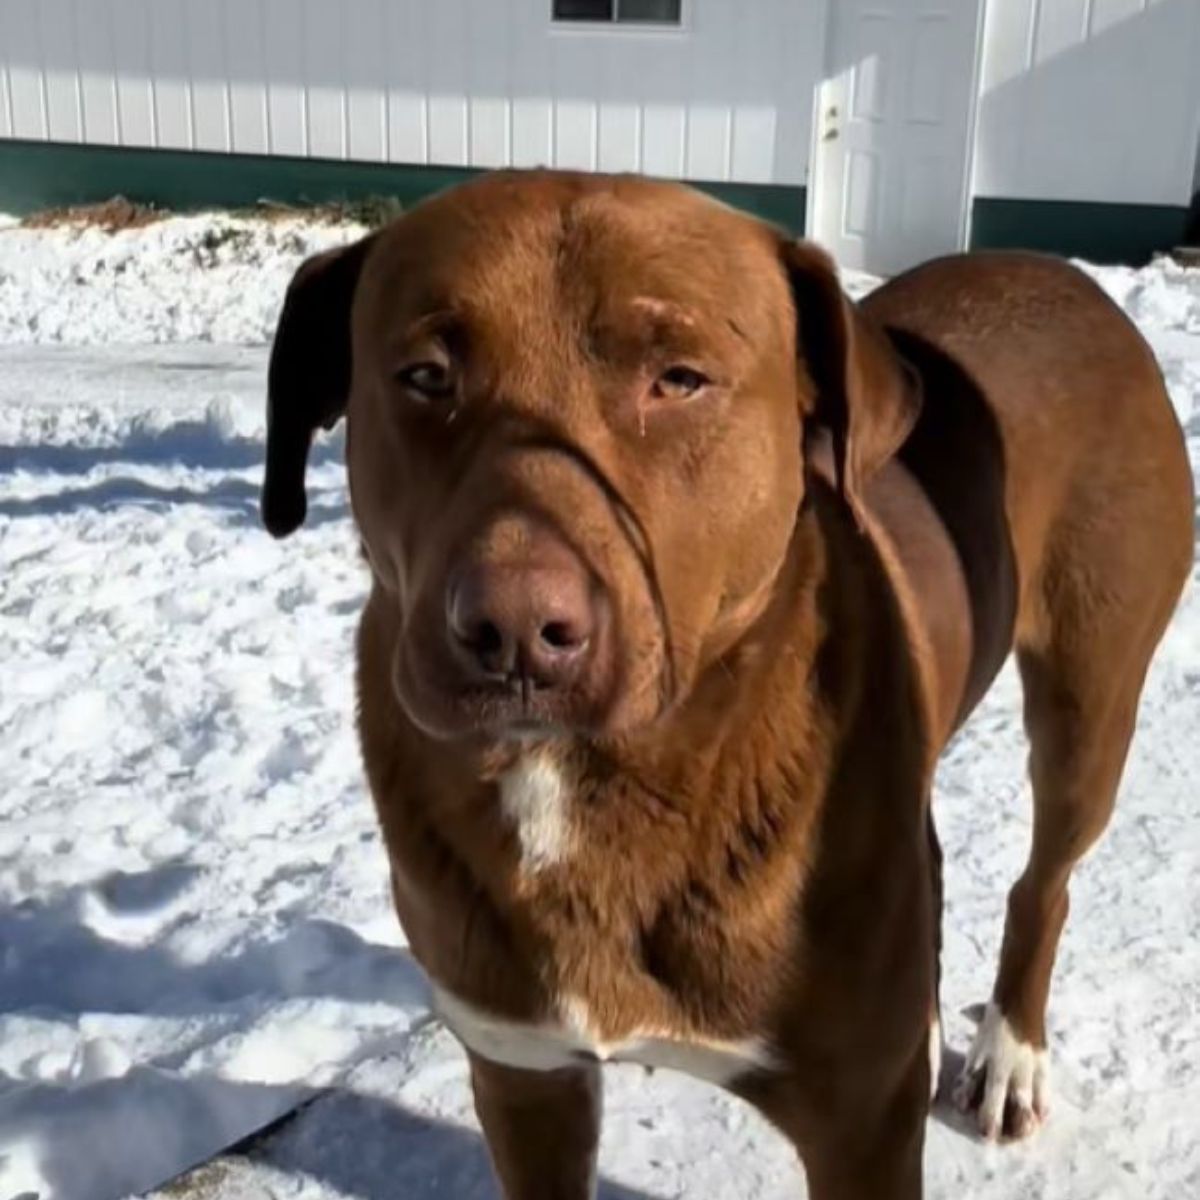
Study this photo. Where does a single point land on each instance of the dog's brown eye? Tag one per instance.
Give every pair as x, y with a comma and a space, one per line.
678, 383
430, 380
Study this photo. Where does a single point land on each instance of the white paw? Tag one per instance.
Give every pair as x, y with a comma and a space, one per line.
1005, 1080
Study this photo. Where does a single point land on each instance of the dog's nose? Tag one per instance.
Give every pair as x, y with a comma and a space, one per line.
532, 620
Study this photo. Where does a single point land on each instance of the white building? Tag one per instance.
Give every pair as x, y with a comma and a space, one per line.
890, 130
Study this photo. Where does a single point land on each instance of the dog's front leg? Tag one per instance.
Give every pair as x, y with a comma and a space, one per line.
542, 1128
878, 1163
857, 1140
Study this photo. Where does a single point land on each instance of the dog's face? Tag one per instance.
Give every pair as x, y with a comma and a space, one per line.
576, 413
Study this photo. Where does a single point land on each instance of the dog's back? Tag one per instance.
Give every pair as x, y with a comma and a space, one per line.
1042, 404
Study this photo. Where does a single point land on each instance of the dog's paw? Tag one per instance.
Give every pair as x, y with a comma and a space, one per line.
1004, 1081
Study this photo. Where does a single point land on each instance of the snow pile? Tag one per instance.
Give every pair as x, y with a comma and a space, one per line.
1164, 296
213, 278
195, 931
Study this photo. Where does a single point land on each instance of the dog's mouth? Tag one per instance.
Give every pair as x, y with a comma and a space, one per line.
515, 704
518, 710
611, 693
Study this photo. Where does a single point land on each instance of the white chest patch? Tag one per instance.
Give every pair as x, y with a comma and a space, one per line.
535, 799
550, 1047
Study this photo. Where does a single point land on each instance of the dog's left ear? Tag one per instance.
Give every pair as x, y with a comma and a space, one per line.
309, 377
865, 396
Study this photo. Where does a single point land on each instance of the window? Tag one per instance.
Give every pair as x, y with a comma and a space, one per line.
656, 12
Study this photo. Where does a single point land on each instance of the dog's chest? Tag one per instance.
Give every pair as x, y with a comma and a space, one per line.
587, 957
571, 1041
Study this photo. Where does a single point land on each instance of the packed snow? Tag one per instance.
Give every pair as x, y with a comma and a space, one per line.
207, 278
195, 932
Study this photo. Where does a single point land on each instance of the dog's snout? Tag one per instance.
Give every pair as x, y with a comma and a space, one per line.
532, 619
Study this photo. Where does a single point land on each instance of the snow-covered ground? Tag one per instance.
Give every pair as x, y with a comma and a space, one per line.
207, 278
194, 927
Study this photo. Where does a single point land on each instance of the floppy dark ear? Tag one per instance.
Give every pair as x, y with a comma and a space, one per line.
865, 396
309, 377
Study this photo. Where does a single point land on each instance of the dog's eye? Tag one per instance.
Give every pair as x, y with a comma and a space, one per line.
678, 383
430, 380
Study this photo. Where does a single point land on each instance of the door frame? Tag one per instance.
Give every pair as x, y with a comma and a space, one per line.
820, 91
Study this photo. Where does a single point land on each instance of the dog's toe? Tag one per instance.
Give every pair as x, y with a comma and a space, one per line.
1005, 1081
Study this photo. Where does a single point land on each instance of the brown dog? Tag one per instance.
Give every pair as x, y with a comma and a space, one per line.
684, 569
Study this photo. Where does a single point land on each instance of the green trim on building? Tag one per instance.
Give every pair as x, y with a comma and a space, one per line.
37, 175
1104, 233
781, 204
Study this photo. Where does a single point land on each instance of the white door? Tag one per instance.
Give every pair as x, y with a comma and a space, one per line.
894, 123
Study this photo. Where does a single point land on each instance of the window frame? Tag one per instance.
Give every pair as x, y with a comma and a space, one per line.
615, 27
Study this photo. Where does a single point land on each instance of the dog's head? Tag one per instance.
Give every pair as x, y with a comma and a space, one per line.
576, 409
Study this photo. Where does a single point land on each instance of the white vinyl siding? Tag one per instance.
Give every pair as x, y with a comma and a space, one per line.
1089, 100
725, 96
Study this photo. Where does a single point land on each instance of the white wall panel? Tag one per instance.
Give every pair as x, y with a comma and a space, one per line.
6, 117
287, 102
619, 136
489, 37
577, 71
245, 33
489, 126
324, 25
791, 65
445, 50
64, 111
451, 82
532, 131
407, 103
575, 134
95, 26
135, 89
1060, 25
664, 135
705, 66
1009, 28
5, 102
26, 81
447, 118
1094, 100
532, 110
1103, 13
171, 81
752, 153
706, 153
204, 35
366, 81
760, 69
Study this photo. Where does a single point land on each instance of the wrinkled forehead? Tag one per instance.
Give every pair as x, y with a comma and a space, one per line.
508, 250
